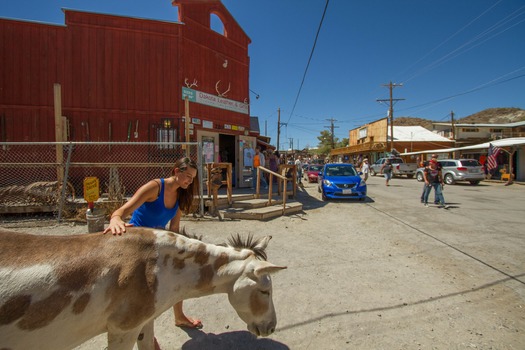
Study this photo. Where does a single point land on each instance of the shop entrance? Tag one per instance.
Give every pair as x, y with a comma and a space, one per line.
227, 153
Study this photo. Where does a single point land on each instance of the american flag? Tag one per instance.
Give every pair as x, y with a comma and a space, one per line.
491, 158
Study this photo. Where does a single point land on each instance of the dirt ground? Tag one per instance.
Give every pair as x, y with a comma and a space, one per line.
383, 274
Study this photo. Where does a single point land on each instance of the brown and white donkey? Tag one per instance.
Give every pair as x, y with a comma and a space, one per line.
56, 292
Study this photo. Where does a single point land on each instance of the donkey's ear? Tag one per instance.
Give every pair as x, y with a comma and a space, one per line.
263, 242
264, 267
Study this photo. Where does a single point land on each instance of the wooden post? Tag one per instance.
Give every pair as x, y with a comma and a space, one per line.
57, 92
511, 172
187, 124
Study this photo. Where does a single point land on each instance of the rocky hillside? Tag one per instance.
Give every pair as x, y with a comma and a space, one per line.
496, 115
491, 115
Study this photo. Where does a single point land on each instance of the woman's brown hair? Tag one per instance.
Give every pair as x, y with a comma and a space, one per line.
186, 196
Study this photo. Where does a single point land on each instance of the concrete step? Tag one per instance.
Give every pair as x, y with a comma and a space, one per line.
222, 200
255, 203
262, 213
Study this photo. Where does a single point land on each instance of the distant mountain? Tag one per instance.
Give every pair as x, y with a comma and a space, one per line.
410, 121
496, 116
491, 115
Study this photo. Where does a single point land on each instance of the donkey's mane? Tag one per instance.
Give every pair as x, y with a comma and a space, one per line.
237, 242
187, 234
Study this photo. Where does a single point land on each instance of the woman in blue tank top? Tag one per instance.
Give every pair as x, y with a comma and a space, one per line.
155, 204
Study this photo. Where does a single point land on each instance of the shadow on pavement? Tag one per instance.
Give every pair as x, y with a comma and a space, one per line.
229, 341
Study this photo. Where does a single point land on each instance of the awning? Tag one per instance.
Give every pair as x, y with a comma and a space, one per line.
265, 144
513, 141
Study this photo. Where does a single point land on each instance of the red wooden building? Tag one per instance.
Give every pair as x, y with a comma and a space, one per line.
124, 79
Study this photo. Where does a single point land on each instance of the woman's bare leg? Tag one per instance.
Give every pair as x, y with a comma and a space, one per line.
181, 320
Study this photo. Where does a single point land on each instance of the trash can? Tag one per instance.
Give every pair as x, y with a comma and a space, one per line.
95, 220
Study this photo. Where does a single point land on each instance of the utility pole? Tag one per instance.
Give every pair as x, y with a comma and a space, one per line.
453, 126
279, 127
332, 127
391, 101
453, 131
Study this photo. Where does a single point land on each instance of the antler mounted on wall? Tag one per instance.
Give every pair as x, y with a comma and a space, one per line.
221, 94
188, 85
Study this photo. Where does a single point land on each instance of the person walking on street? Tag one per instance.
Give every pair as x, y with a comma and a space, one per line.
299, 169
157, 203
433, 178
387, 169
273, 163
258, 160
425, 165
365, 169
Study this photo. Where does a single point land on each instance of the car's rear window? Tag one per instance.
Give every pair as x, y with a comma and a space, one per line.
446, 163
470, 162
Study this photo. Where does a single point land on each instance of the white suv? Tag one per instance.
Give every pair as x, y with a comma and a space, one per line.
455, 170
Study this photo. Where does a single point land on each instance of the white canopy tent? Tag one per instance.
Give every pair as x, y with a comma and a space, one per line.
515, 141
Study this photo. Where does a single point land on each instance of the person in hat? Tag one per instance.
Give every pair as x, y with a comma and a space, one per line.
425, 165
365, 169
434, 179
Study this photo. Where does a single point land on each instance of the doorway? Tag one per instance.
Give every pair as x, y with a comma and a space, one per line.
227, 154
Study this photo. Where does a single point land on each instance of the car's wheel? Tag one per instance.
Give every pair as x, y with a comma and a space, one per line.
449, 179
372, 172
319, 189
474, 182
323, 196
420, 177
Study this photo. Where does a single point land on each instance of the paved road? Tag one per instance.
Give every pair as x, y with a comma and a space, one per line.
386, 273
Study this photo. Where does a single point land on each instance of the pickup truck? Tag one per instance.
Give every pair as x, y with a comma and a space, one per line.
399, 167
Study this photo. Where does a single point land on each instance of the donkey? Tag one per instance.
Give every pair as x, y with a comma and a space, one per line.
56, 292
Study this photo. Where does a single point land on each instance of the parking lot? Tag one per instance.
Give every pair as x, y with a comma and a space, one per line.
386, 273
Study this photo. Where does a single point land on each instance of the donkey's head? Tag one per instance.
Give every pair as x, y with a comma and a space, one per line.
251, 294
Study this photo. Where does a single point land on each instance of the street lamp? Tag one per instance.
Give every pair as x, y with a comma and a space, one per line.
256, 94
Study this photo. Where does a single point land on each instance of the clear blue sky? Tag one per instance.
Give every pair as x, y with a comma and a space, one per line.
450, 55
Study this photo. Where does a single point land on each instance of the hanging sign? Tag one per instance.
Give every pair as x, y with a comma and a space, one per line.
214, 101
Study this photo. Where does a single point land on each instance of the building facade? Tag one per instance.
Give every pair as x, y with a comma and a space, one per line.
373, 141
124, 79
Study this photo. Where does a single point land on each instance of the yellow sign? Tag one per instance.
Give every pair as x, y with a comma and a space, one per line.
91, 189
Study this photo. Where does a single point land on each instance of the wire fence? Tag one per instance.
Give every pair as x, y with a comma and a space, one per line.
50, 176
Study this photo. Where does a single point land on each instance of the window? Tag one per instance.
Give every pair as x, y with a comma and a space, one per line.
470, 130
472, 162
167, 133
363, 133
216, 24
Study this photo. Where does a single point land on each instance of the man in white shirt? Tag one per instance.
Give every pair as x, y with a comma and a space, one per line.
299, 166
365, 169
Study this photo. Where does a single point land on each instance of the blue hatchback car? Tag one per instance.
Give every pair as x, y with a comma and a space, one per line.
341, 180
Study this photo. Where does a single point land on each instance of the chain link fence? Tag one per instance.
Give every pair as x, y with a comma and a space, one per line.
49, 176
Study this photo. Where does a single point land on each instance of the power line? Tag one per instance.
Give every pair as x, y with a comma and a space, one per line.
474, 42
480, 87
445, 41
309, 60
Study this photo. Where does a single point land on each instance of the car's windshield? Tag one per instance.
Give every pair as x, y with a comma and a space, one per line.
315, 168
340, 170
